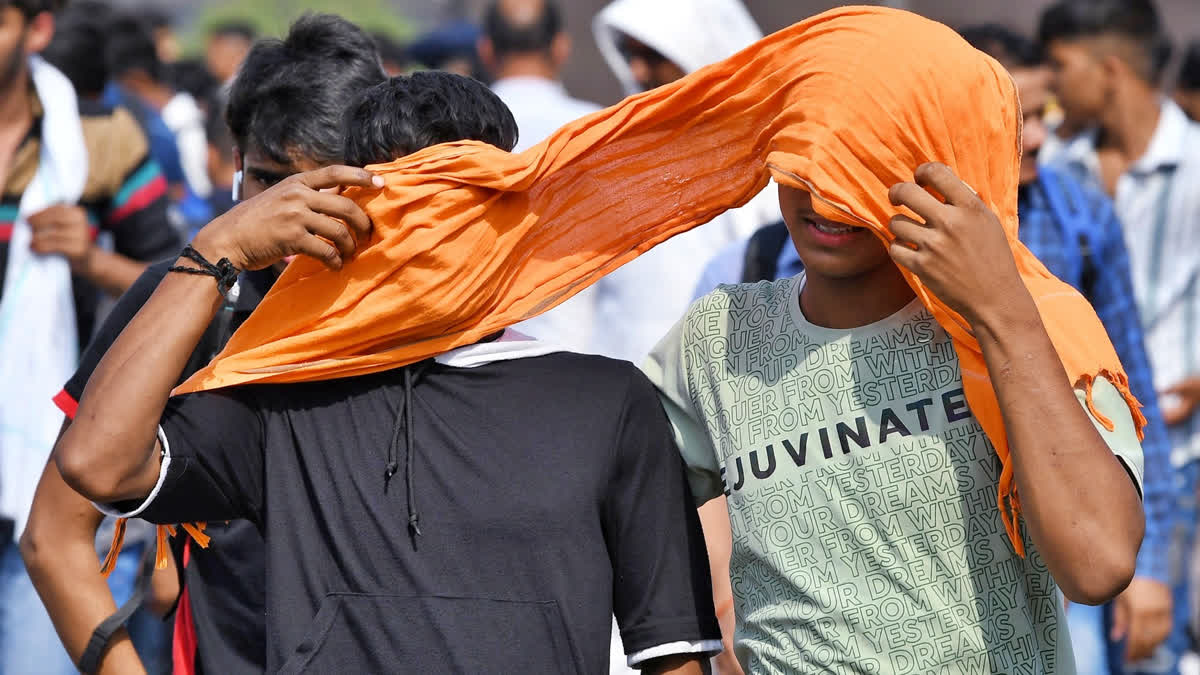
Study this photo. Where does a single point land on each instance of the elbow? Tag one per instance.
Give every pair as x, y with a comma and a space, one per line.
1103, 575
81, 469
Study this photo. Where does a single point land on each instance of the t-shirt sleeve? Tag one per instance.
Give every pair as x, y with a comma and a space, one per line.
663, 592
1122, 439
212, 465
666, 368
123, 312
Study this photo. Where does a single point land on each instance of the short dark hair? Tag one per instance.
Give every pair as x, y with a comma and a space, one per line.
31, 8
79, 35
1007, 46
1136, 21
234, 28
192, 76
411, 112
288, 98
510, 35
1189, 73
130, 47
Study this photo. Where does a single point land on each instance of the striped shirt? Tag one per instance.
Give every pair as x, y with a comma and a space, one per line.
1159, 205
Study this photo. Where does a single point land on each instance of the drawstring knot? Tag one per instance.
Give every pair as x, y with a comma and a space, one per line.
404, 420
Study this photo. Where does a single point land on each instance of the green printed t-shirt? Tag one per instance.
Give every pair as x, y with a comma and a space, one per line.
861, 490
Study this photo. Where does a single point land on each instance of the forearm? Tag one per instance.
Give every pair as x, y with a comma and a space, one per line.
58, 547
109, 453
1081, 508
680, 664
112, 272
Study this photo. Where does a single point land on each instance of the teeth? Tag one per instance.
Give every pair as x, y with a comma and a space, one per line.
829, 228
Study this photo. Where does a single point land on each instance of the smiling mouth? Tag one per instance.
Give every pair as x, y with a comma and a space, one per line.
827, 227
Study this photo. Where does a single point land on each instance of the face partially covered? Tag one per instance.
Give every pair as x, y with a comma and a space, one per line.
650, 68
830, 249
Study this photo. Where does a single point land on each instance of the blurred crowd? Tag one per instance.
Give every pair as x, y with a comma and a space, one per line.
1109, 202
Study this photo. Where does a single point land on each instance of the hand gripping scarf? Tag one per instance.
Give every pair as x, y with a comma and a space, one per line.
470, 239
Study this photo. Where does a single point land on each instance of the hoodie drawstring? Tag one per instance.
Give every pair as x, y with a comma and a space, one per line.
404, 420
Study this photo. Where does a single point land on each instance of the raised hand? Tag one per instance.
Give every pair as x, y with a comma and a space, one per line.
300, 215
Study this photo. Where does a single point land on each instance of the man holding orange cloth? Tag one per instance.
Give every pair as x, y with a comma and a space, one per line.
1003, 390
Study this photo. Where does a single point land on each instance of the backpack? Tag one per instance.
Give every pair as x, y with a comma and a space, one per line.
1068, 205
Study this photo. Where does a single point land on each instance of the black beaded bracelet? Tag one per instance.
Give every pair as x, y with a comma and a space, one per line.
224, 271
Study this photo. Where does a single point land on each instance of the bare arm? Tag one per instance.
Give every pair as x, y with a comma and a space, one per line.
58, 546
680, 664
111, 453
1082, 510
714, 517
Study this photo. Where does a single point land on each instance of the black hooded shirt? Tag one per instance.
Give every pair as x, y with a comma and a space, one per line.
480, 515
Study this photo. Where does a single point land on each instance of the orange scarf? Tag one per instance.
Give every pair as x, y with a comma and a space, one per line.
470, 239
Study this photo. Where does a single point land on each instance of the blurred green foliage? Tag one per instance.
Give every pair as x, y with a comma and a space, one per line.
272, 17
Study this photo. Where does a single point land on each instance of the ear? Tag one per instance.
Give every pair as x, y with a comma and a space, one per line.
1114, 68
41, 31
560, 49
487, 54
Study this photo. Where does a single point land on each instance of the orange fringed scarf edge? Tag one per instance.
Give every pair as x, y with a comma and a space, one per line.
1007, 498
161, 552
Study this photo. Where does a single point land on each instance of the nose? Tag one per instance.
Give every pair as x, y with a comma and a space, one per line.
640, 70
1033, 134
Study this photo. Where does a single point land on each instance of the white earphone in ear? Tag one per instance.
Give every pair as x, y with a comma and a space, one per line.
238, 177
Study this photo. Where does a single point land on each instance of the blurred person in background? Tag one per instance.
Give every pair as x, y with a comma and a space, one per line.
226, 48
222, 161
191, 76
392, 53
140, 79
1073, 229
1187, 89
648, 43
70, 168
450, 47
1108, 58
524, 47
166, 43
284, 116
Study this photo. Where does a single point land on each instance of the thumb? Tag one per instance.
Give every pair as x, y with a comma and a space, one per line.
1120, 620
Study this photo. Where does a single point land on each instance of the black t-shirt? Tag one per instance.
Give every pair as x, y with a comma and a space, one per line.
226, 581
550, 496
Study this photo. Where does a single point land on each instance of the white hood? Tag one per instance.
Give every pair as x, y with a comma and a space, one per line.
692, 33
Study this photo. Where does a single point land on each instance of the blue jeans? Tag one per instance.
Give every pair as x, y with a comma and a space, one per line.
30, 646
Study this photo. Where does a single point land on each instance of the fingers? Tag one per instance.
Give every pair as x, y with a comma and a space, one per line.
320, 250
334, 231
917, 199
337, 206
1120, 620
909, 230
939, 177
339, 176
905, 257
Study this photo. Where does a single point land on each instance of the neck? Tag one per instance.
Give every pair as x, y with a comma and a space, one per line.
1128, 124
858, 301
526, 65
16, 105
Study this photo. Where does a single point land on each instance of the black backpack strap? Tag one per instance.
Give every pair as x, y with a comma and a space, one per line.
103, 635
762, 253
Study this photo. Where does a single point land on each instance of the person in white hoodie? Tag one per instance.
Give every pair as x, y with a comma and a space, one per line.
648, 43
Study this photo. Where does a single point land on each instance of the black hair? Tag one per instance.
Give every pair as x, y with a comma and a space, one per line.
411, 112
288, 98
234, 28
1136, 21
192, 76
510, 35
1189, 73
31, 8
1007, 46
79, 35
130, 47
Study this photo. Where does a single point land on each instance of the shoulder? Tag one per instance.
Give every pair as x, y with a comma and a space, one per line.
116, 147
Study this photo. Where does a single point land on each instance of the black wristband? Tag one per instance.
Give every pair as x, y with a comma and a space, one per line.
224, 271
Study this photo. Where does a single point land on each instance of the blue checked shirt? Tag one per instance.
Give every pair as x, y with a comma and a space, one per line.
1104, 278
